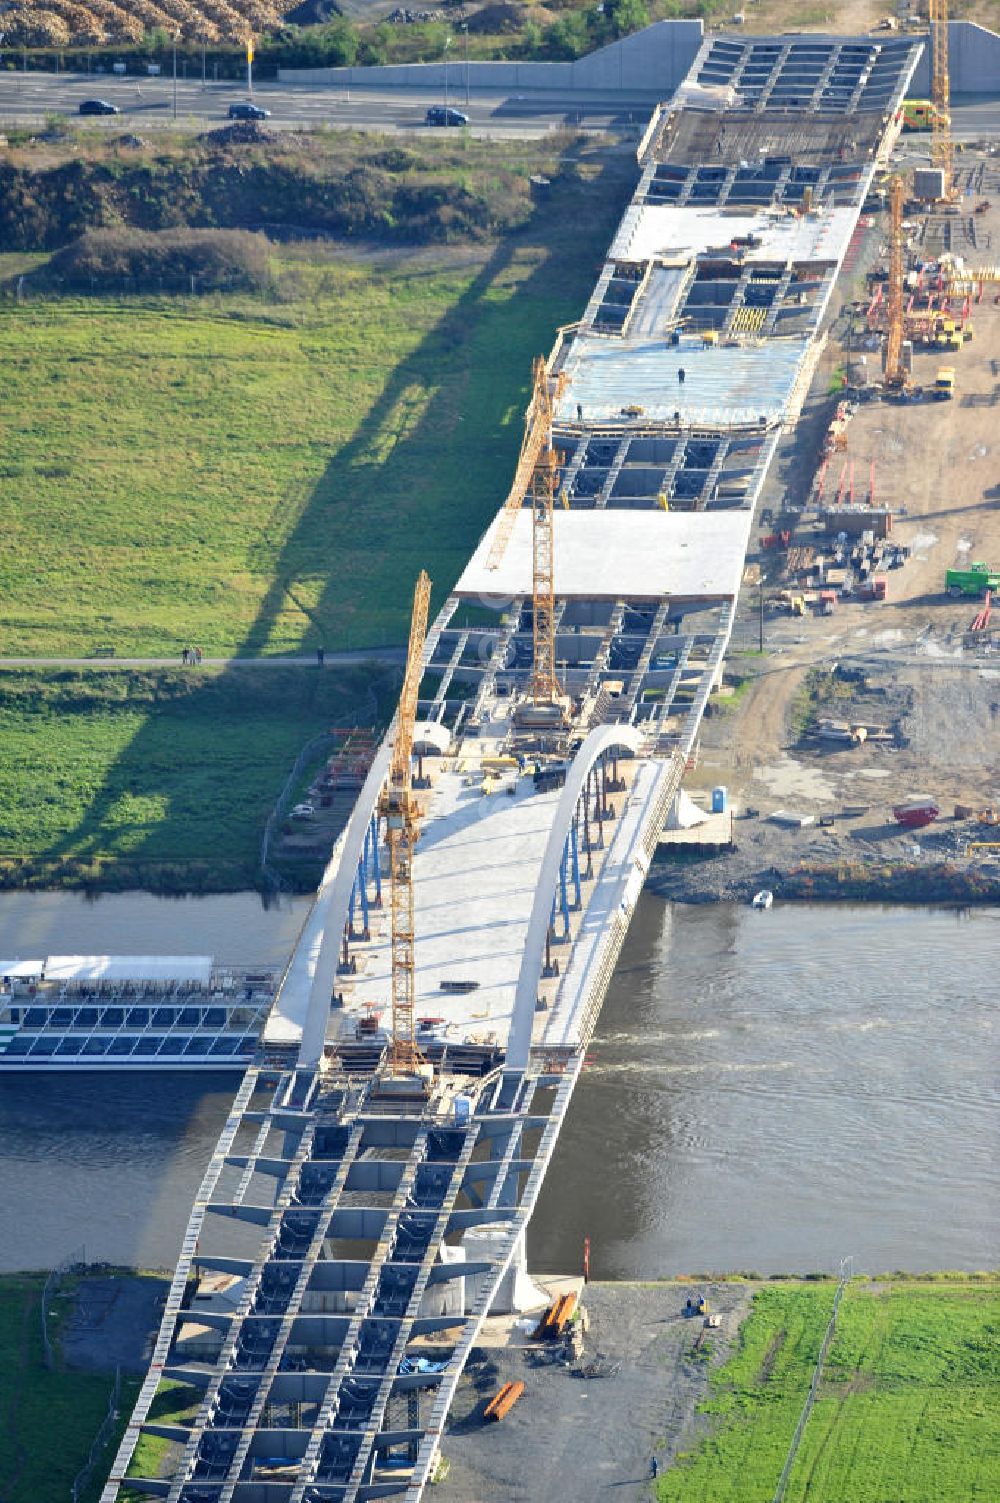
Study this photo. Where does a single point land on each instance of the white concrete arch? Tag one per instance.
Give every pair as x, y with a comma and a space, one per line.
600, 741
302, 1006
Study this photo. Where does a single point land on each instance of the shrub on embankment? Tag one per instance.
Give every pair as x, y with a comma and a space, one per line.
352, 187
202, 260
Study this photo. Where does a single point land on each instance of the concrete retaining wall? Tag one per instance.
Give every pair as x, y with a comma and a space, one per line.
653, 61
973, 62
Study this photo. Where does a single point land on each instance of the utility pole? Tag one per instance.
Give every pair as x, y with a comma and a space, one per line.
204, 81
895, 375
760, 616
447, 44
250, 65
175, 75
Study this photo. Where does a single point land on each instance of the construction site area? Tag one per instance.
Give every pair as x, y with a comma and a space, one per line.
873, 567
872, 572
698, 438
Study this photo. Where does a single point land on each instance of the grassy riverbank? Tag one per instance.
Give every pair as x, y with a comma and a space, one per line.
160, 779
48, 1416
907, 1407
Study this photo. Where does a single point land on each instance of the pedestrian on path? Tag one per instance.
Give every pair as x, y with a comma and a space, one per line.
320, 655
186, 657
654, 1467
198, 655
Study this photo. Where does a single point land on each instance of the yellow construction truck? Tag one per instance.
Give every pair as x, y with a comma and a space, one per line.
919, 114
944, 384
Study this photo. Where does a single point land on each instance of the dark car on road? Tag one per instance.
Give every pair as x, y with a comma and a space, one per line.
98, 107
248, 112
439, 115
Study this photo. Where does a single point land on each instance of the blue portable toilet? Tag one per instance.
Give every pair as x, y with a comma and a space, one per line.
720, 800
462, 1109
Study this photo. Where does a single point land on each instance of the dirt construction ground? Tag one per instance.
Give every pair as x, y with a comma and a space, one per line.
937, 466
583, 1438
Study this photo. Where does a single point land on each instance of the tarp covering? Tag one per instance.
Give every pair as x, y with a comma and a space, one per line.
23, 969
684, 813
195, 969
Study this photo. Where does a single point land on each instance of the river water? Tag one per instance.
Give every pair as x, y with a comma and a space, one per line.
766, 1091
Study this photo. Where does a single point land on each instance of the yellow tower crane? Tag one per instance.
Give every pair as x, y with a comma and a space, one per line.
399, 807
942, 149
537, 441
895, 375
544, 684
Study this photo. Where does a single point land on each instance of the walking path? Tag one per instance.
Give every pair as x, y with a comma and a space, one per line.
307, 660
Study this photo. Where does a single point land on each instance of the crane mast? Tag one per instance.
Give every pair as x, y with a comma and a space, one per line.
398, 805
544, 684
537, 440
942, 149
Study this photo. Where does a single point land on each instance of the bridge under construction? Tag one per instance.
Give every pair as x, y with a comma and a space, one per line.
365, 1208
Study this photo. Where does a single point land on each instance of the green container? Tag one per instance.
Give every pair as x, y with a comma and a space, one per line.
975, 580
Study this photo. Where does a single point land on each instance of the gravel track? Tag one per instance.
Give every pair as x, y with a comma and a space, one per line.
589, 1439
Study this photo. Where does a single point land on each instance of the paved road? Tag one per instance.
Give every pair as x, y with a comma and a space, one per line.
331, 660
148, 104
975, 117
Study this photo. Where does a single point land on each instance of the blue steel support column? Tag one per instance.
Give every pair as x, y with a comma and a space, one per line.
376, 864
575, 855
352, 932
362, 886
563, 899
550, 968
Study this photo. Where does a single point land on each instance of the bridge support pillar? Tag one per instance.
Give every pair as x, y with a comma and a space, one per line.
516, 1291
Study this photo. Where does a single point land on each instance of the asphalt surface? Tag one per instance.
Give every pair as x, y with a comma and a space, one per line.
113, 1321
148, 104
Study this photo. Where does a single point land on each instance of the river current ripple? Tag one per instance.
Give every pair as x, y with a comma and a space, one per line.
765, 1091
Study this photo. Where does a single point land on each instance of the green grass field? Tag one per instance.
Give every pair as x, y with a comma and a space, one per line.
255, 476
157, 779
48, 1418
266, 474
907, 1410
173, 1404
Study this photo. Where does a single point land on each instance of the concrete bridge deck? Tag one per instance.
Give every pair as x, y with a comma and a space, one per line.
365, 1232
